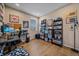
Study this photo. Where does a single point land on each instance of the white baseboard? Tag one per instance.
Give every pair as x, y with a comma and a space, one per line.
70, 47
67, 46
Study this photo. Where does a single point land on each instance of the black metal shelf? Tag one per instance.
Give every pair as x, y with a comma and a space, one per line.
46, 29
57, 20
57, 29
57, 25
58, 32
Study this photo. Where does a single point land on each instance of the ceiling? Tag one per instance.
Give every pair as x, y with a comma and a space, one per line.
36, 9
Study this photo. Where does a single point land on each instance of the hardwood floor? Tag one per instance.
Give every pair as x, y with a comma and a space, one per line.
38, 47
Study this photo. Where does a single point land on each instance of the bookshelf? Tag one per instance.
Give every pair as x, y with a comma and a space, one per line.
2, 7
58, 31
42, 29
46, 31
1, 11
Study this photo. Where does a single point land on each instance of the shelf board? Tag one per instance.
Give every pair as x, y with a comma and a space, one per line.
57, 20
57, 29
57, 25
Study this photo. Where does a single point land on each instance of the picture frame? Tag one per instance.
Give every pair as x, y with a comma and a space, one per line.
13, 18
25, 24
33, 25
70, 16
71, 19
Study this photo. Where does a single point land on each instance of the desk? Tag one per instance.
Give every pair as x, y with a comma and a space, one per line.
7, 44
7, 41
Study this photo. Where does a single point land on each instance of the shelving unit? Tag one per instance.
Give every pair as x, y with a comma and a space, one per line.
46, 31
42, 29
58, 31
50, 33
1, 17
1, 11
25, 36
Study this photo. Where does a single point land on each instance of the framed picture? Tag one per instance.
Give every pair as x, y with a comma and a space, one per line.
70, 17
14, 18
25, 24
32, 24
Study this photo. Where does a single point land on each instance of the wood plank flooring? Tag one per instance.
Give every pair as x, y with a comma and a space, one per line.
38, 47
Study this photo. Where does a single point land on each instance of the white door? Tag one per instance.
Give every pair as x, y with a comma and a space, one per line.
77, 39
68, 36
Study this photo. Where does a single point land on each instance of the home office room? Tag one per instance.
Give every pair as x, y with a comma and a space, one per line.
39, 29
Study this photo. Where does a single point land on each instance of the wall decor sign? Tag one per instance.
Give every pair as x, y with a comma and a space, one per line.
14, 18
25, 24
72, 20
70, 16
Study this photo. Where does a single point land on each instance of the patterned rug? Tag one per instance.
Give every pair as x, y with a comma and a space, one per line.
18, 52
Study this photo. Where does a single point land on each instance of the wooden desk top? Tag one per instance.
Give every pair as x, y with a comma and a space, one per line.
6, 41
